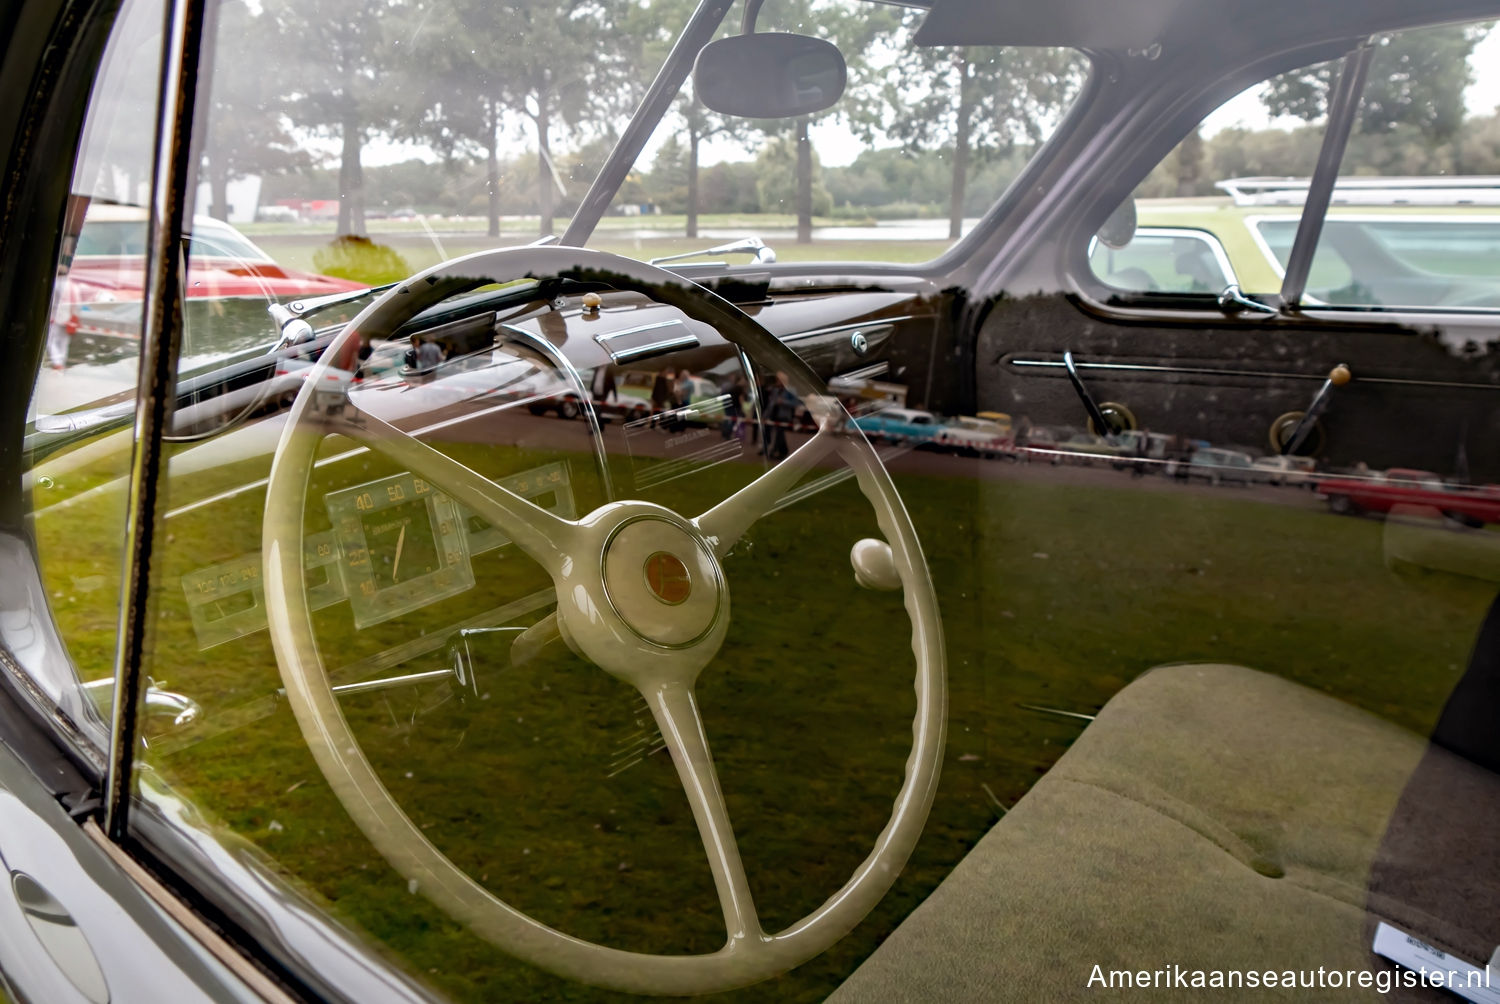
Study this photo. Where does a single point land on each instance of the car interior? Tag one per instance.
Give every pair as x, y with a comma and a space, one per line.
558, 620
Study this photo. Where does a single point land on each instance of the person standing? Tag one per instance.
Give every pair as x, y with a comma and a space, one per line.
664, 390
603, 386
733, 391
781, 407
429, 355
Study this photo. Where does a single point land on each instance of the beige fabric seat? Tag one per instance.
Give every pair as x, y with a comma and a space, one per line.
1212, 817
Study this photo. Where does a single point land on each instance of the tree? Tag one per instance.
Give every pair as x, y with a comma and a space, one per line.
784, 181
1417, 78
858, 33
489, 64
246, 126
339, 50
659, 24
981, 101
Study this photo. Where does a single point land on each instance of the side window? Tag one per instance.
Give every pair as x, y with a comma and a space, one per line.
1164, 259
1415, 216
79, 436
1414, 219
1194, 231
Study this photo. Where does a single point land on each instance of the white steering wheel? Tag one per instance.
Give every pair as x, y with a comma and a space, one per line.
656, 632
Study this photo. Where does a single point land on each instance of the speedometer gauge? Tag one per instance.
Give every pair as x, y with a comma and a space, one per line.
404, 546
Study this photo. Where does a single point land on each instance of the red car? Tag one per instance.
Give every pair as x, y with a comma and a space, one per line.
1401, 486
99, 301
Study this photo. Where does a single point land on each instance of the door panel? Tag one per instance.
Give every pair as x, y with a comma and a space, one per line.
1414, 401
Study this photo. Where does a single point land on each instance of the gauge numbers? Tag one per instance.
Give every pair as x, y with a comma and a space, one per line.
227, 601
404, 546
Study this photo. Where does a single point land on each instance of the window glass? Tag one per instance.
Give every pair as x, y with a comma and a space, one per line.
1196, 226
79, 435
464, 150
1415, 215
1164, 260
539, 776
923, 141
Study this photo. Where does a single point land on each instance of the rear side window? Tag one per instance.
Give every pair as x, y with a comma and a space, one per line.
1192, 232
1441, 260
1163, 260
1415, 216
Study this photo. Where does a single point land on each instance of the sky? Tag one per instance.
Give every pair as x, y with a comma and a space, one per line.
838, 147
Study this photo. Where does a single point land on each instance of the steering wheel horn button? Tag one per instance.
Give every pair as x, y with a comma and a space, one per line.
668, 578
662, 582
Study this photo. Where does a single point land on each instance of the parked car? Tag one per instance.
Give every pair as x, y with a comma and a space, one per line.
1387, 242
1285, 470
1379, 494
324, 678
1218, 466
901, 425
102, 294
973, 434
1086, 447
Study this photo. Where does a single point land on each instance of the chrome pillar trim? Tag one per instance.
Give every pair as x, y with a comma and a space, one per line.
161, 336
189, 920
1112, 367
1343, 105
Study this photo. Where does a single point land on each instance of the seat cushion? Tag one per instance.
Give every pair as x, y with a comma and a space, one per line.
1212, 818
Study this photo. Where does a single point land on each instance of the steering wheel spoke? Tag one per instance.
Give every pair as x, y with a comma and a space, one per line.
724, 524
676, 713
547, 538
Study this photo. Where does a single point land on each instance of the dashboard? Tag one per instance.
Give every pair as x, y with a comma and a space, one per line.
567, 406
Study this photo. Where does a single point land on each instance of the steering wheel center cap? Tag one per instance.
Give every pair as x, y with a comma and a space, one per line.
668, 578
662, 582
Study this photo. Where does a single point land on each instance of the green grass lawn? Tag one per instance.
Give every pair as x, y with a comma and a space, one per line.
1052, 594
420, 251
526, 228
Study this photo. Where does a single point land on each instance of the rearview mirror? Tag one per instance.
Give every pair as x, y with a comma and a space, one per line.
769, 75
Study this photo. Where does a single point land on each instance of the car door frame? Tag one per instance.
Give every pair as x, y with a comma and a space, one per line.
1035, 296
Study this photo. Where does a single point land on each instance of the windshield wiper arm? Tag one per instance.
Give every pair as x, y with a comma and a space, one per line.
754, 246
291, 320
